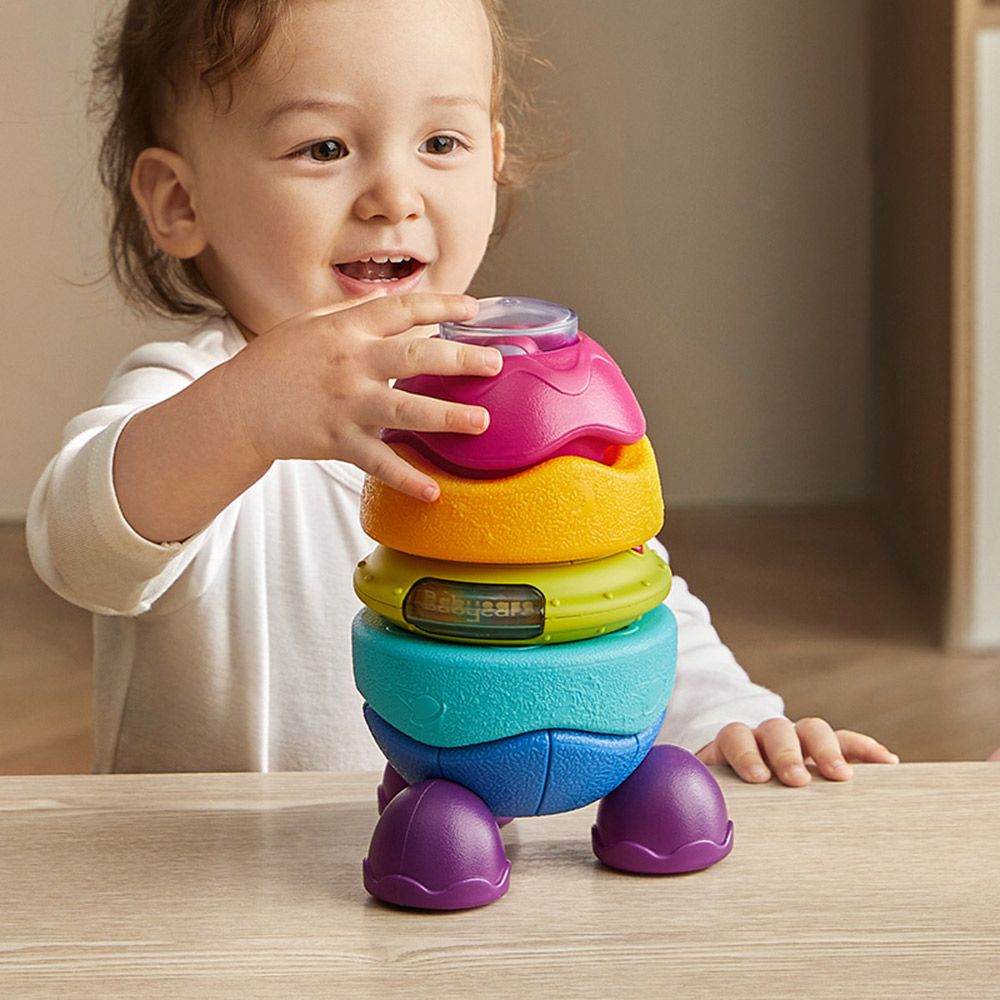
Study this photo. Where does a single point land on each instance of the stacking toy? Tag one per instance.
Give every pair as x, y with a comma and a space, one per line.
515, 654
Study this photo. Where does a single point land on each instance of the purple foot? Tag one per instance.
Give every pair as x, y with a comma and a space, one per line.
436, 847
668, 816
393, 783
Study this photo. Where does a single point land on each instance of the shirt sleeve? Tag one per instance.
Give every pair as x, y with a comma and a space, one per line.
711, 689
79, 541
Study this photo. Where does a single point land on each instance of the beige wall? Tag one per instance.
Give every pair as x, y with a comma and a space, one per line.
984, 619
60, 342
711, 230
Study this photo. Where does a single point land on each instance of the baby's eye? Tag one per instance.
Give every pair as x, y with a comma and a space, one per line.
442, 145
325, 151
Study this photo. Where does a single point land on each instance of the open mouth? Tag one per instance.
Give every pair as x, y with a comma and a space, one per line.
380, 269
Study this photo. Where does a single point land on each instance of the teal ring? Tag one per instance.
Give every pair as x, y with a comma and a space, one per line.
450, 695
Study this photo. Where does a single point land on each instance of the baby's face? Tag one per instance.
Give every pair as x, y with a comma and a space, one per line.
363, 134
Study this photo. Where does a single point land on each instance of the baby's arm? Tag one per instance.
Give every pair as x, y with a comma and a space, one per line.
316, 387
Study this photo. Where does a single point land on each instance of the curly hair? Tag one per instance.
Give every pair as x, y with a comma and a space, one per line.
150, 51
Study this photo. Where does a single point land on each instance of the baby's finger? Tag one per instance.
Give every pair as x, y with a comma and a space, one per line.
330, 310
782, 751
738, 747
394, 314
404, 356
380, 461
819, 741
336, 307
863, 749
408, 411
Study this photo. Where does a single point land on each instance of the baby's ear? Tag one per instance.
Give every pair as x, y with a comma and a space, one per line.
499, 147
162, 185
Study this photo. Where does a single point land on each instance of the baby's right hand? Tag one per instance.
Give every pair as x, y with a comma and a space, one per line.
317, 386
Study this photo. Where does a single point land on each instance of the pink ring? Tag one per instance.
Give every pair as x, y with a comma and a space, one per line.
570, 401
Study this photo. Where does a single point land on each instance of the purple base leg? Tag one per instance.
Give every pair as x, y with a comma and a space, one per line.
668, 816
393, 783
436, 846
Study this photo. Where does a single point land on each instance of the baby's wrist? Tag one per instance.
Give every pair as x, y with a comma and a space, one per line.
235, 401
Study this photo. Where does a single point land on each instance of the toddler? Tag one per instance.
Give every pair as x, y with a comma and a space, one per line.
316, 181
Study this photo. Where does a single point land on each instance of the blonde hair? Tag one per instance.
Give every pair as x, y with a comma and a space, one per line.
144, 62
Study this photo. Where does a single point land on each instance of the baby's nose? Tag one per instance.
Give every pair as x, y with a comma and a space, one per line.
389, 195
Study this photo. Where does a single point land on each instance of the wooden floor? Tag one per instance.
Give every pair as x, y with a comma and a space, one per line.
809, 600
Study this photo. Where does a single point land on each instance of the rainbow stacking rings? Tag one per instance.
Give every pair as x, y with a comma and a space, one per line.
515, 640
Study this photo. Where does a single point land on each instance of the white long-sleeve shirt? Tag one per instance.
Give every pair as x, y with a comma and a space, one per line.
231, 651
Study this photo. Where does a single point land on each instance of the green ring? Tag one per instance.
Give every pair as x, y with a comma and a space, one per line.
543, 603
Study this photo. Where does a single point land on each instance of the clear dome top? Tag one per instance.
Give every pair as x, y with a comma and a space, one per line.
517, 326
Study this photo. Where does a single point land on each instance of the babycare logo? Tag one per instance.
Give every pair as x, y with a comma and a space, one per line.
471, 607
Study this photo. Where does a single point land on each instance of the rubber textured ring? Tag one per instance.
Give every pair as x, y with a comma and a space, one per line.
566, 509
451, 694
533, 774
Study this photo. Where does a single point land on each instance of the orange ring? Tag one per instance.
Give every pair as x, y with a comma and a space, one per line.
562, 510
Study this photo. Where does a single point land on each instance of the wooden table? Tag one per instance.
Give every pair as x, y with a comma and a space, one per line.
244, 885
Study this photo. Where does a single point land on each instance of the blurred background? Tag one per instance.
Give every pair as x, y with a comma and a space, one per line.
782, 217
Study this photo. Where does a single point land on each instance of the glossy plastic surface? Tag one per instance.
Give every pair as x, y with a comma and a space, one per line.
570, 401
668, 817
516, 325
436, 847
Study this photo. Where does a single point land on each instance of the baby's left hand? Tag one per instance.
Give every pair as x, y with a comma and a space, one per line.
784, 747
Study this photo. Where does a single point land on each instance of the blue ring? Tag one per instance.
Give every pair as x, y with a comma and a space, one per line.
528, 775
452, 695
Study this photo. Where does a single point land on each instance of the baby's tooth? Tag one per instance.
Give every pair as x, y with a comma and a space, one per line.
381, 260
398, 260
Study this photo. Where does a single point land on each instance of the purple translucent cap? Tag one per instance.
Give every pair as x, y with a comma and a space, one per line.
516, 325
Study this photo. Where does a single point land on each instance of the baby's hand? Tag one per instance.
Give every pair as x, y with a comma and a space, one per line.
995, 755
317, 386
784, 747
